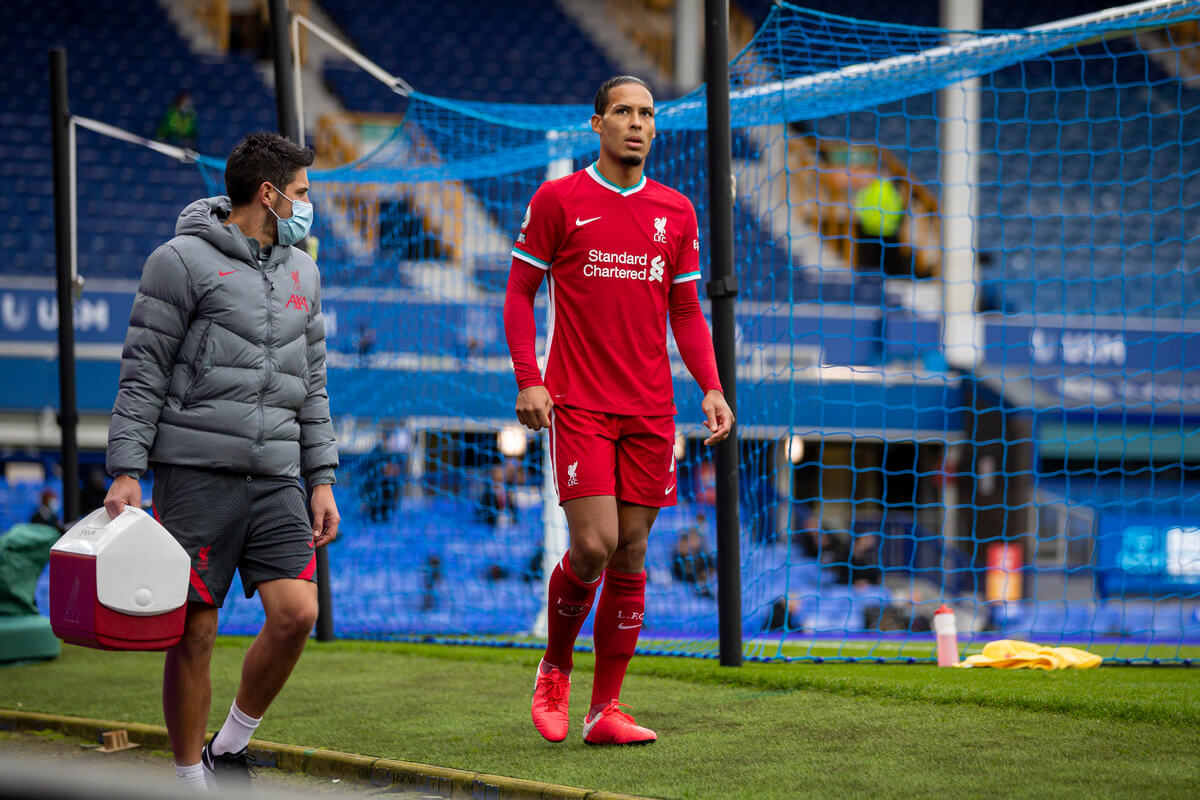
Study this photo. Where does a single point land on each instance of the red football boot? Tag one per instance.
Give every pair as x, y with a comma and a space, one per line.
551, 693
614, 726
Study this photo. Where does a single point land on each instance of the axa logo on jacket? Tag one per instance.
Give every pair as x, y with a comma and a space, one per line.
297, 300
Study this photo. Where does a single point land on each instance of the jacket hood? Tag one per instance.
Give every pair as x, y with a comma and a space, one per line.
206, 218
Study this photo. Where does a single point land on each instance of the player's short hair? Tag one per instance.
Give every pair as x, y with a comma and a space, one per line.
260, 157
601, 101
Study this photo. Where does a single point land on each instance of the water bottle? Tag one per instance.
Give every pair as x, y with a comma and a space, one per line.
947, 636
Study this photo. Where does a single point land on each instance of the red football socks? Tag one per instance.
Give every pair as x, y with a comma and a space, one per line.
618, 623
570, 600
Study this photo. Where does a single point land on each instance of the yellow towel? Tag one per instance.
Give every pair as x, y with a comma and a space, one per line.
1015, 654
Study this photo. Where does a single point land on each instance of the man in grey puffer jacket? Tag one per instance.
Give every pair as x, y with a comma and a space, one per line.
222, 391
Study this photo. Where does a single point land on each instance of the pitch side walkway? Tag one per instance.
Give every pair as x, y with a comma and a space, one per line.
362, 773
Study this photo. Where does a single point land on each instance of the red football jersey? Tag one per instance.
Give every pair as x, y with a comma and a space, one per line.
612, 255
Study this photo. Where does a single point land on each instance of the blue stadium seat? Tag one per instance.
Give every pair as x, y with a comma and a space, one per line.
1033, 172
124, 69
483, 65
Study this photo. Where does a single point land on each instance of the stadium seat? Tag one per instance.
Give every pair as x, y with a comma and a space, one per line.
124, 69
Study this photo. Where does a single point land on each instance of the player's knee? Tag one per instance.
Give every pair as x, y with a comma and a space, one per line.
590, 556
630, 556
294, 621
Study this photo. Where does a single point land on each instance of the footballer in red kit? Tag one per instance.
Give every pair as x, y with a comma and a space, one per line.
621, 255
616, 255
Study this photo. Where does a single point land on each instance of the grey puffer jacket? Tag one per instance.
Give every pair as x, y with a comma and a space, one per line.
224, 361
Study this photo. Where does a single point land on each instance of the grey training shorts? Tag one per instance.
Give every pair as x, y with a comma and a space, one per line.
258, 525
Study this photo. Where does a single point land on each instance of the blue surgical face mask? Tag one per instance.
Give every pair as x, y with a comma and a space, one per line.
294, 228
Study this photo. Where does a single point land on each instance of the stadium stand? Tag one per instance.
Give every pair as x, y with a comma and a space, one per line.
1040, 263
19, 500
1036, 259
1050, 194
1131, 494
568, 72
467, 50
141, 190
126, 64
1010, 14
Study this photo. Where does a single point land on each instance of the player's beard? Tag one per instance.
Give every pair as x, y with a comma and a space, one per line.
632, 159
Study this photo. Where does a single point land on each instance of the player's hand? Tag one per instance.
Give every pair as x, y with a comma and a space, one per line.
325, 515
125, 491
533, 407
718, 416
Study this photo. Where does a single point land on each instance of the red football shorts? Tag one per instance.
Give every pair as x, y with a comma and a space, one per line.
629, 457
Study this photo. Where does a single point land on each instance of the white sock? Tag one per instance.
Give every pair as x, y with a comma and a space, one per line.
191, 776
236, 732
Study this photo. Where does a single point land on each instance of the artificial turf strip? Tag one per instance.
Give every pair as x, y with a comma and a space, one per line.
764, 730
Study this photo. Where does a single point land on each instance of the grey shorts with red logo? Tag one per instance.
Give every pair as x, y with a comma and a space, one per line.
258, 525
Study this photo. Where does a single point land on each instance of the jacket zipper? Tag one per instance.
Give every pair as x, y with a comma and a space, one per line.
262, 414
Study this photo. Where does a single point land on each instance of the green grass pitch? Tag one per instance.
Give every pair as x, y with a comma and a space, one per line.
761, 730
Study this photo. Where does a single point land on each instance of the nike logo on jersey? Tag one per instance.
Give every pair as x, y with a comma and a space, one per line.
223, 274
670, 489
579, 223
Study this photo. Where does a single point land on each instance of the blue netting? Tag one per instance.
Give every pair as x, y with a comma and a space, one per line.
1048, 493
802, 65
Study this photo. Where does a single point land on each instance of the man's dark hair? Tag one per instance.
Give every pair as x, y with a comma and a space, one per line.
259, 157
601, 102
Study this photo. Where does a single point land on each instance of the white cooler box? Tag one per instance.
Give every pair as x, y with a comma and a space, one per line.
118, 584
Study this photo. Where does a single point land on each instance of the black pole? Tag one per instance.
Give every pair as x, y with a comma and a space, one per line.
291, 126
722, 290
285, 84
64, 235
